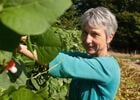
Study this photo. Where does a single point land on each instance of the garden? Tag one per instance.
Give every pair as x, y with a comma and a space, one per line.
52, 26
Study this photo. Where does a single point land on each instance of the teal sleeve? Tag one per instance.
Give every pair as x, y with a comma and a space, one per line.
98, 68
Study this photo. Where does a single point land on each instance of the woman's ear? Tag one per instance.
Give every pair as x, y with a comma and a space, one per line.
110, 37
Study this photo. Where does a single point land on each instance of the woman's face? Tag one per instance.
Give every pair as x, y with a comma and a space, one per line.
94, 40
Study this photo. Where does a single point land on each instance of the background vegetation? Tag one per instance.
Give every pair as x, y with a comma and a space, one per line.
128, 16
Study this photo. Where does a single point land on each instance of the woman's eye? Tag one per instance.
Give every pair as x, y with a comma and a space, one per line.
94, 34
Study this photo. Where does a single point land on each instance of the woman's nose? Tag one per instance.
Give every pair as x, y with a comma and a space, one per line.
88, 38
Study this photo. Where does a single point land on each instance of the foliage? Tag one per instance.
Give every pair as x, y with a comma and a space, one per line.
71, 40
48, 44
34, 18
34, 75
56, 89
70, 20
28, 17
127, 13
64, 40
21, 93
129, 31
35, 15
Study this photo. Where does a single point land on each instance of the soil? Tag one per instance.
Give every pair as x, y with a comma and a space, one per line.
129, 59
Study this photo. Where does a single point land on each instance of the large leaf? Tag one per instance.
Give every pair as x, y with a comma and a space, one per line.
46, 54
47, 45
24, 94
16, 79
5, 57
32, 16
21, 93
7, 92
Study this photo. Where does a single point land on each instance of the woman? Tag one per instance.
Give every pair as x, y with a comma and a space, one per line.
95, 74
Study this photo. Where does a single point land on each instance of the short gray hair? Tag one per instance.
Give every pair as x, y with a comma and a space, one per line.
100, 16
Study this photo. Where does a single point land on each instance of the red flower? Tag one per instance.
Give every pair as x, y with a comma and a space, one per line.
11, 66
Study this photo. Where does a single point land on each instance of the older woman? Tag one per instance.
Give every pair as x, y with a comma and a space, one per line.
95, 74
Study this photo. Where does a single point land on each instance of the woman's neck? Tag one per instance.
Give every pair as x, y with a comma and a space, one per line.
103, 52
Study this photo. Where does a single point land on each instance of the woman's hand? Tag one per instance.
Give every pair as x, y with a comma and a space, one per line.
23, 50
24, 38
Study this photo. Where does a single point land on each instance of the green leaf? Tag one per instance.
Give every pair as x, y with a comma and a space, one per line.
46, 54
56, 90
24, 94
35, 84
30, 17
18, 78
5, 57
5, 80
43, 93
47, 45
5, 97
8, 92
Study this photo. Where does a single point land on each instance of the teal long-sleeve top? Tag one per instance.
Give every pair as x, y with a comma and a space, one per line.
93, 78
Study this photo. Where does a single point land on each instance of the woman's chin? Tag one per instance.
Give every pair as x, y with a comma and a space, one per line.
91, 52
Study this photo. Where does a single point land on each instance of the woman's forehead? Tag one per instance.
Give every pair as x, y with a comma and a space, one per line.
89, 27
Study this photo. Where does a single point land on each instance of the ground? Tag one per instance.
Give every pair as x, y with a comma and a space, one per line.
130, 76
